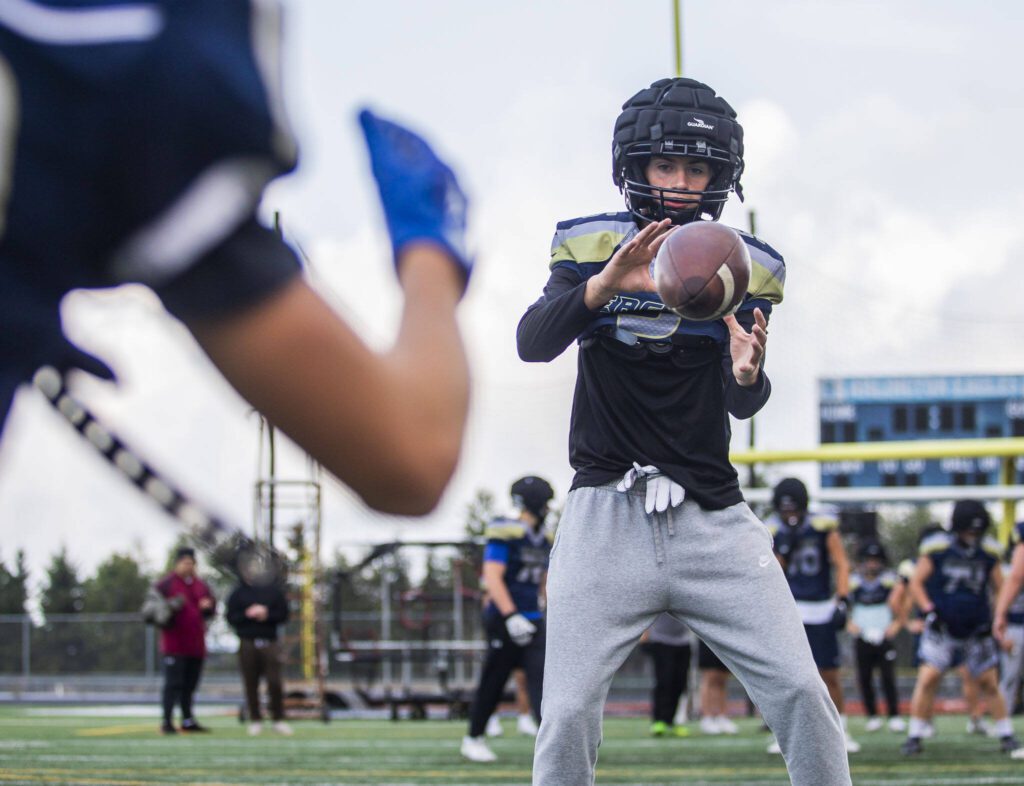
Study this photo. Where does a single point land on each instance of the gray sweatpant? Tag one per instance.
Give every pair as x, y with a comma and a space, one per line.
614, 568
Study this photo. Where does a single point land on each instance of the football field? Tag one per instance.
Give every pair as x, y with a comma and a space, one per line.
58, 745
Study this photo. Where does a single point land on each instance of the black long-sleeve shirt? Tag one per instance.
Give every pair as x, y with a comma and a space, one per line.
667, 409
244, 596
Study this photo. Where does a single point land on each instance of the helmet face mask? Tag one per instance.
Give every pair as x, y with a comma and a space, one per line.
790, 500
677, 117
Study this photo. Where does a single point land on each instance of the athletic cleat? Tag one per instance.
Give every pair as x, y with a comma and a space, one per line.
494, 727
852, 746
475, 749
774, 746
1009, 744
977, 726
1017, 754
874, 724
282, 728
710, 726
679, 731
526, 725
897, 724
255, 729
912, 746
726, 726
168, 728
928, 732
192, 726
659, 729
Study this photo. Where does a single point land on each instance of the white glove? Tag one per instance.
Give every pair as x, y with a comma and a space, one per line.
662, 491
520, 629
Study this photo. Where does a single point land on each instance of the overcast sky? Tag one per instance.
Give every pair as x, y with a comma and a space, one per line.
883, 161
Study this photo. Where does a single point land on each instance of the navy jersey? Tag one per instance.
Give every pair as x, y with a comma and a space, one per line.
959, 583
804, 548
136, 139
1015, 614
524, 553
651, 387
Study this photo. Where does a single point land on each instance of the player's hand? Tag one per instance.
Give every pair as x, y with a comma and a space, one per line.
421, 198
893, 630
520, 629
999, 626
934, 622
841, 614
629, 269
747, 349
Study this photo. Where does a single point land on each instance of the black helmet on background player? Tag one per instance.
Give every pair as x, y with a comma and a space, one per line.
533, 494
677, 117
969, 515
872, 549
790, 495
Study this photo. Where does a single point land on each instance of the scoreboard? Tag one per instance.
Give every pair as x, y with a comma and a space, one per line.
879, 409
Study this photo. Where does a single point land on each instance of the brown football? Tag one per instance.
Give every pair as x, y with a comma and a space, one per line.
702, 271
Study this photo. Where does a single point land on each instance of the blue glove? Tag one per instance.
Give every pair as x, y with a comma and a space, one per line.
419, 193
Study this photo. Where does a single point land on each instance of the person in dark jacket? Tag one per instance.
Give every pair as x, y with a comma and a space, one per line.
183, 641
255, 611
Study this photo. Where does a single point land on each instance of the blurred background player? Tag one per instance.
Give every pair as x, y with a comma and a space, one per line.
714, 678
876, 598
183, 641
951, 584
515, 569
255, 610
655, 520
811, 552
525, 724
164, 150
668, 643
1008, 624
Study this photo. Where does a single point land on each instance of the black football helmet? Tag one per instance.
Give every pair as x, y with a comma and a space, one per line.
790, 492
677, 117
533, 494
970, 515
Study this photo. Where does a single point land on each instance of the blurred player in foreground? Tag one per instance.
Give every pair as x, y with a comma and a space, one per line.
955, 573
1008, 624
876, 598
655, 520
668, 643
515, 570
135, 144
809, 548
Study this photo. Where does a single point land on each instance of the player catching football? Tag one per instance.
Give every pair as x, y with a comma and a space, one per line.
129, 153
655, 521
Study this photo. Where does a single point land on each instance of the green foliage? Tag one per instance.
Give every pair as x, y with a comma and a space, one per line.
118, 586
63, 593
14, 586
899, 528
479, 513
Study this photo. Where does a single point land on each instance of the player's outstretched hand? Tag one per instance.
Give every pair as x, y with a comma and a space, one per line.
420, 195
629, 269
520, 629
747, 348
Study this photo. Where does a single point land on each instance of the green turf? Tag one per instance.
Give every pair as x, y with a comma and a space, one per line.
38, 745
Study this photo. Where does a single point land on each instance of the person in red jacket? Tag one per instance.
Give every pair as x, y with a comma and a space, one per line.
183, 641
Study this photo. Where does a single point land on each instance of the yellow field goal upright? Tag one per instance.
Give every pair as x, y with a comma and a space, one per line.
1008, 449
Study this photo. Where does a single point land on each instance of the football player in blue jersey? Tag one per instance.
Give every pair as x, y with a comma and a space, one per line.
1008, 623
808, 545
876, 598
136, 139
515, 570
955, 573
655, 521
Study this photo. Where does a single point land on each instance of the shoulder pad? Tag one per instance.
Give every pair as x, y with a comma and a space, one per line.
940, 541
505, 529
823, 522
855, 581
889, 579
906, 569
591, 238
767, 270
992, 546
550, 537
773, 523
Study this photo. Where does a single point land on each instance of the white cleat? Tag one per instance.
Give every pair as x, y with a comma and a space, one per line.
977, 726
1017, 754
774, 747
283, 729
852, 746
897, 725
526, 725
874, 724
255, 729
726, 726
475, 749
927, 732
710, 726
494, 727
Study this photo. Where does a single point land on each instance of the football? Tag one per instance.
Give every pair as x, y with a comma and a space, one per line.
702, 271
